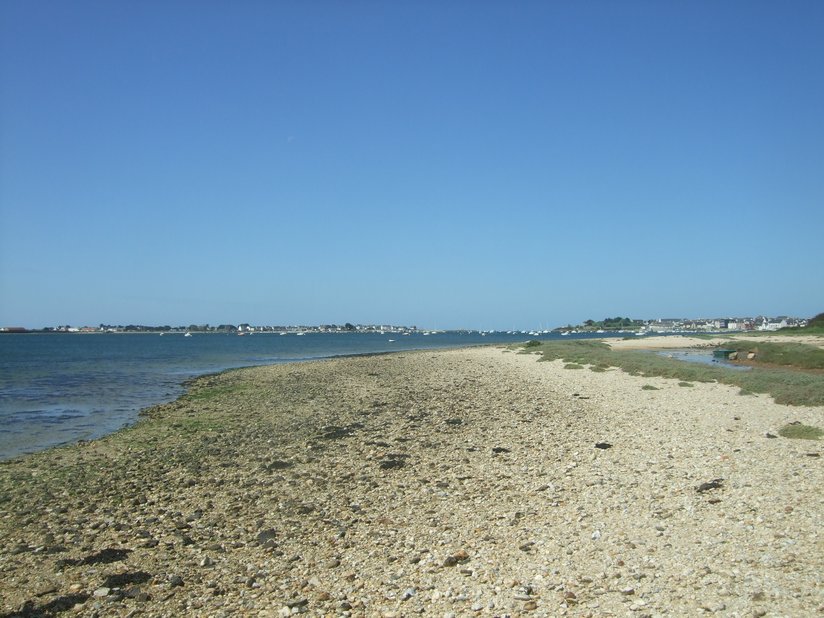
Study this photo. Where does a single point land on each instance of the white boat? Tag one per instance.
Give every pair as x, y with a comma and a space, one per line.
188, 335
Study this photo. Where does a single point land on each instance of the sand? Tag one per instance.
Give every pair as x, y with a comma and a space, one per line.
685, 341
473, 482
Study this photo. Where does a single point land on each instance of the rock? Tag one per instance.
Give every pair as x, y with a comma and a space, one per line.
408, 594
266, 538
296, 602
713, 484
102, 592
603, 445
175, 581
459, 556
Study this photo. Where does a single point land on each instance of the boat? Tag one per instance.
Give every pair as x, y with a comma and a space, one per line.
188, 335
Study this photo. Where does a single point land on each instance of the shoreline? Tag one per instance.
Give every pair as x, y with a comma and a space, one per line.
433, 482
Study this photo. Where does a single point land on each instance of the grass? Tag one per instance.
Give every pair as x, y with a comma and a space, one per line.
798, 355
686, 384
649, 387
573, 366
801, 432
787, 384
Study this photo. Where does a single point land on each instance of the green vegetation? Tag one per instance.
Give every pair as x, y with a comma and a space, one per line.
214, 392
801, 432
649, 387
786, 384
815, 326
573, 366
686, 384
617, 323
532, 343
798, 355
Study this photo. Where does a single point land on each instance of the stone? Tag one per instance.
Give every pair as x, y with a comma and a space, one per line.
713, 484
296, 602
266, 537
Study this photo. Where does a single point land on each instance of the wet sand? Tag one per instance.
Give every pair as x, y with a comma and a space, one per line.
474, 482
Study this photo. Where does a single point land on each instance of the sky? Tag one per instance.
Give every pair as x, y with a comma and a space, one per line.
490, 165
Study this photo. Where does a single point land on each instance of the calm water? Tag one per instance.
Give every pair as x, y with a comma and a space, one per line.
59, 388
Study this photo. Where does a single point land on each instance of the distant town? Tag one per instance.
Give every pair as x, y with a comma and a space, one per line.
608, 325
686, 325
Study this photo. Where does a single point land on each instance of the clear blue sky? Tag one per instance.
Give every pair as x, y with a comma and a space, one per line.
444, 164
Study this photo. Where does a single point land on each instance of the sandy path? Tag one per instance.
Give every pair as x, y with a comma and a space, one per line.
684, 341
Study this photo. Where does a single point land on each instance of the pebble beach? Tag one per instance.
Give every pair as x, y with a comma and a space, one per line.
469, 482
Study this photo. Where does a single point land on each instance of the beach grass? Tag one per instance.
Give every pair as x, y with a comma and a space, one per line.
800, 431
798, 355
800, 384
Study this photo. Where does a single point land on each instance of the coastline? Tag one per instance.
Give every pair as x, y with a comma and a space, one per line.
435, 482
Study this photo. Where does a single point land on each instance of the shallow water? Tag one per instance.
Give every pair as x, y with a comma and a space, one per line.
703, 357
59, 388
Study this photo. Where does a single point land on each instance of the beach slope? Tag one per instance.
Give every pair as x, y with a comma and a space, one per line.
451, 483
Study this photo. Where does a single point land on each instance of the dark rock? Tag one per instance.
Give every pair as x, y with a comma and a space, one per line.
603, 445
121, 580
769, 435
392, 461
496, 450
299, 602
175, 581
265, 536
279, 465
713, 484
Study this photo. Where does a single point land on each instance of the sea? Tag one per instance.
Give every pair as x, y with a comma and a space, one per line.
60, 388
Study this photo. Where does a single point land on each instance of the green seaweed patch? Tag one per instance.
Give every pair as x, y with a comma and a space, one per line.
573, 366
800, 431
686, 384
598, 369
649, 387
215, 392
